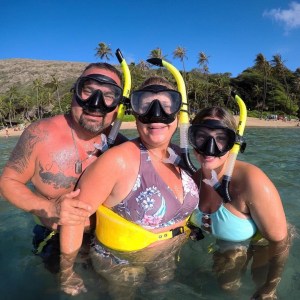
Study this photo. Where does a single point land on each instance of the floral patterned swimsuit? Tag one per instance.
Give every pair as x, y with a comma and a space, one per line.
151, 203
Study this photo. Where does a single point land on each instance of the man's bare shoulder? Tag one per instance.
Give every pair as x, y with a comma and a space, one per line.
47, 128
49, 124
34, 140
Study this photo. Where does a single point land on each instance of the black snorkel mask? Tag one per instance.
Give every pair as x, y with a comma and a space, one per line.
215, 145
150, 109
97, 93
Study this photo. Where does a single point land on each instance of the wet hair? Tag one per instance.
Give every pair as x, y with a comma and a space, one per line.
216, 112
157, 80
104, 66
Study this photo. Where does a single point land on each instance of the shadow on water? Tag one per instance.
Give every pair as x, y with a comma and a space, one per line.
23, 275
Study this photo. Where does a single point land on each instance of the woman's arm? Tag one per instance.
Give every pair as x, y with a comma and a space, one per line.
267, 211
70, 243
98, 183
277, 255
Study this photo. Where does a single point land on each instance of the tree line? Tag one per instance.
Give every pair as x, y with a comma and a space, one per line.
267, 87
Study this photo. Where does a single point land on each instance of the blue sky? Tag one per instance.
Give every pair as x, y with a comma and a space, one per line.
230, 32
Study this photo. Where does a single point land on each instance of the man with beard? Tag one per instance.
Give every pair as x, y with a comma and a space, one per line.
52, 153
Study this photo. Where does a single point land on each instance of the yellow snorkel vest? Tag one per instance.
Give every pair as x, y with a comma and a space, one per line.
117, 233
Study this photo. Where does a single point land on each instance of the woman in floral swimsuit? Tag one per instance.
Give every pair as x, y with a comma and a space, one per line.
136, 181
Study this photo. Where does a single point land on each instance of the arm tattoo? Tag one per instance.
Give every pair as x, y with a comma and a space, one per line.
20, 156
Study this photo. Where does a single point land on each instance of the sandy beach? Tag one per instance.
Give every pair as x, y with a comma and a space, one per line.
251, 122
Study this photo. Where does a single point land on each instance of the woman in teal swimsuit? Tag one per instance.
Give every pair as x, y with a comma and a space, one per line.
254, 218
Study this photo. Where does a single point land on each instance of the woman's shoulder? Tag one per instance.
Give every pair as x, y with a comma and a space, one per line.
247, 169
250, 175
124, 151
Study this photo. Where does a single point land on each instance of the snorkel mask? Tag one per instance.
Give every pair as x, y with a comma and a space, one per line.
97, 93
222, 187
156, 104
211, 138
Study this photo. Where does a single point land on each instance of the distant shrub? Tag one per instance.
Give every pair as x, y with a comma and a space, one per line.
129, 118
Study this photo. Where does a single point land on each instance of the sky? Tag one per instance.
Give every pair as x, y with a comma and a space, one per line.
231, 33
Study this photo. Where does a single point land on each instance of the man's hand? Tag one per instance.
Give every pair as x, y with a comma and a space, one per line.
70, 211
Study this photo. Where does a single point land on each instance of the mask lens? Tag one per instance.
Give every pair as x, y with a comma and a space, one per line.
86, 87
169, 100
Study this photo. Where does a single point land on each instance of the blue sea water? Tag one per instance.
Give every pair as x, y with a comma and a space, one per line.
276, 151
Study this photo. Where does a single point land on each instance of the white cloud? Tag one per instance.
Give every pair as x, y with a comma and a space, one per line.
290, 17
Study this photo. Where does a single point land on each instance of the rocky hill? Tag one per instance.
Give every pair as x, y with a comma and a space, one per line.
25, 71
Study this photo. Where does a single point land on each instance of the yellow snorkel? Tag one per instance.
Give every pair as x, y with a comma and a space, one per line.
223, 188
122, 106
184, 123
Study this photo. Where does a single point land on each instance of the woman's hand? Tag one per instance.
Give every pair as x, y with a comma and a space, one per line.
265, 293
72, 283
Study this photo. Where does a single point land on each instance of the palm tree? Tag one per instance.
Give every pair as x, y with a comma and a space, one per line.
157, 53
12, 94
103, 51
180, 52
55, 84
203, 64
143, 65
262, 65
25, 103
37, 84
3, 108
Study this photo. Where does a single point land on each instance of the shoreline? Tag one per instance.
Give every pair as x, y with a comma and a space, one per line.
251, 122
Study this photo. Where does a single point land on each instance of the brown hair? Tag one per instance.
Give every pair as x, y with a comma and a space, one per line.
104, 66
159, 81
216, 112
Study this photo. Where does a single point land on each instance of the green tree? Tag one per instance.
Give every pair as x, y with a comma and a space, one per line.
25, 103
3, 108
55, 84
263, 66
143, 66
12, 95
103, 51
280, 71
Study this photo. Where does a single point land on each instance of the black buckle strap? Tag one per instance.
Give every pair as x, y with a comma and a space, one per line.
176, 231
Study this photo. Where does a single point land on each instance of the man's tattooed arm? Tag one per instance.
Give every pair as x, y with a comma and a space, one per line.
21, 155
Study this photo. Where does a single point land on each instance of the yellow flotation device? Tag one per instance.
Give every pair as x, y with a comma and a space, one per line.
117, 233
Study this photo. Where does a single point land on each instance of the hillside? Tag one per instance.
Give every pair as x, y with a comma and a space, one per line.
24, 71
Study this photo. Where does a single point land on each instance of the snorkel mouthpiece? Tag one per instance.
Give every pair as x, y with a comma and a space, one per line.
155, 61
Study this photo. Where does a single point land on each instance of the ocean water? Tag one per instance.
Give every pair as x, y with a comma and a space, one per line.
276, 151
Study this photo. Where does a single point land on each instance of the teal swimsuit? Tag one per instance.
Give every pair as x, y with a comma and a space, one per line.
224, 225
